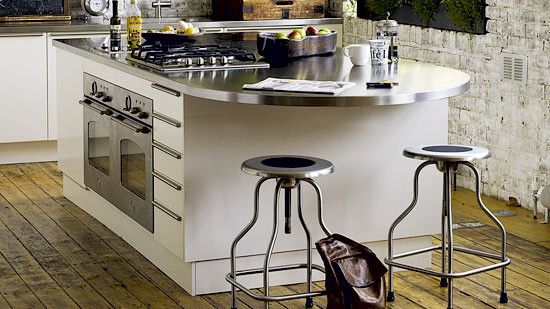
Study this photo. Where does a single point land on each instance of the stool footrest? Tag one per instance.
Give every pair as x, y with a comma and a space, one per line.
501, 264
249, 292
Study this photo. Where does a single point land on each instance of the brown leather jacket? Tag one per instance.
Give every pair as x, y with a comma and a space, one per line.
354, 275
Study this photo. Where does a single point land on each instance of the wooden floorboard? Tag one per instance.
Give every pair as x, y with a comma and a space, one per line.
54, 255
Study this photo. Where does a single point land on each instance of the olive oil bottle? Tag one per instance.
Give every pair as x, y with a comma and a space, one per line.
116, 30
133, 25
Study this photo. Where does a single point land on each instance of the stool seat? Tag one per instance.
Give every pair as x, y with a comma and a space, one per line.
287, 166
446, 153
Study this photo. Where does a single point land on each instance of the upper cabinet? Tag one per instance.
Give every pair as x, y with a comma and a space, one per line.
23, 83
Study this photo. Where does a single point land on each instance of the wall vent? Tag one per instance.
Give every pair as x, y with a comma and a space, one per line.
514, 68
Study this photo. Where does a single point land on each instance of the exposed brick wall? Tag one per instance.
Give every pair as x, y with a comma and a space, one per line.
180, 8
184, 8
510, 119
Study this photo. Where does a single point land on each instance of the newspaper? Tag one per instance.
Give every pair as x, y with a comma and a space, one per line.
296, 85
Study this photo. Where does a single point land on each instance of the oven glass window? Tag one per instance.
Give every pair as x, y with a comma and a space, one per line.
132, 167
98, 147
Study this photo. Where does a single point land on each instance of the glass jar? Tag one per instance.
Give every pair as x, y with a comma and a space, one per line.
387, 30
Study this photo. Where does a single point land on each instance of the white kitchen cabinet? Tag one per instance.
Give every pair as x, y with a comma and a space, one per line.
52, 76
23, 81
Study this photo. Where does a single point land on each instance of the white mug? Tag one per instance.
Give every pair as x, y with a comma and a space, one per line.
358, 53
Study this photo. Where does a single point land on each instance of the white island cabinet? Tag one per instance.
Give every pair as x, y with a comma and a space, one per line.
204, 125
24, 85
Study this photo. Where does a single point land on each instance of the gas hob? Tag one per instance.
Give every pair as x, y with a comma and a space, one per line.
193, 57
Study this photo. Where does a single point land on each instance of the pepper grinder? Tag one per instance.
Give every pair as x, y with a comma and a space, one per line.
387, 30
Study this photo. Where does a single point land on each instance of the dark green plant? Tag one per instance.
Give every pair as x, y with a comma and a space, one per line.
426, 10
380, 7
465, 14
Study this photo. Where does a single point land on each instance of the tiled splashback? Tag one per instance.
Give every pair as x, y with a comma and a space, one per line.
180, 8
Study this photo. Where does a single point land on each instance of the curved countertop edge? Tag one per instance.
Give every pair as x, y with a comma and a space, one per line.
80, 26
273, 98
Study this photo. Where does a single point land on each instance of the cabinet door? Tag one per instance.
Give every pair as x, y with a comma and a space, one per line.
23, 82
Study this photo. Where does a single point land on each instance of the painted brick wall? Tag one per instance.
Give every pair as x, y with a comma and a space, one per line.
512, 120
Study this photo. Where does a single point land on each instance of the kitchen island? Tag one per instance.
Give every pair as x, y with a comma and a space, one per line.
204, 126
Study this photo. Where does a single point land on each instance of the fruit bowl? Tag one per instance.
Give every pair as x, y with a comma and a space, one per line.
281, 49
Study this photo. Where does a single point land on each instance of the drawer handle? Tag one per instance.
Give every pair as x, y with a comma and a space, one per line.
167, 180
167, 211
166, 90
167, 150
168, 120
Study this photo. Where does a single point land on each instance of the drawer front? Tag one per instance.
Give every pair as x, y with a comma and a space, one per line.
168, 196
169, 232
168, 102
168, 134
165, 161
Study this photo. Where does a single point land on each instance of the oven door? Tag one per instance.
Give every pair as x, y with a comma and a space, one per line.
132, 145
98, 160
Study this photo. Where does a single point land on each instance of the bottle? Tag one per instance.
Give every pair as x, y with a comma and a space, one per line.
116, 29
133, 25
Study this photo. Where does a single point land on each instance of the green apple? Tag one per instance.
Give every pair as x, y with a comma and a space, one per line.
280, 35
324, 32
301, 32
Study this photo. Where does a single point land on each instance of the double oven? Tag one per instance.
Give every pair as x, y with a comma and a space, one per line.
118, 148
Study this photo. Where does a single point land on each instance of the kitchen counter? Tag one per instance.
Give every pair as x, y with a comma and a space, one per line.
82, 26
418, 82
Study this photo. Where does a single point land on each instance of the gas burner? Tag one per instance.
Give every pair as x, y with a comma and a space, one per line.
192, 57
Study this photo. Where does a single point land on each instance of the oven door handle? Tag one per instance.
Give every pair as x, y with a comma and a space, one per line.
137, 129
89, 105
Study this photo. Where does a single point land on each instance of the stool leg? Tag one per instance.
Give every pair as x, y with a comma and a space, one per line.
450, 241
443, 282
320, 209
503, 293
391, 295
273, 239
233, 253
309, 300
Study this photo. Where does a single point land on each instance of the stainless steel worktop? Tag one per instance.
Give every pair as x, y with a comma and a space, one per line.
81, 26
418, 81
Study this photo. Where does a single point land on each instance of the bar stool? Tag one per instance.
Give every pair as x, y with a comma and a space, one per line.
289, 172
446, 158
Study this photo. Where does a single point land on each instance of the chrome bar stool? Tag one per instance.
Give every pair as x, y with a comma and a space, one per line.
446, 158
289, 172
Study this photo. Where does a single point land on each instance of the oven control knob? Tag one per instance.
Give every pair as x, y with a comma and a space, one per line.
142, 115
99, 95
107, 99
212, 60
134, 110
224, 60
200, 61
108, 112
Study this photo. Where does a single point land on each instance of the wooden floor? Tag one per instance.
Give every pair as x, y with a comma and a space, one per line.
54, 255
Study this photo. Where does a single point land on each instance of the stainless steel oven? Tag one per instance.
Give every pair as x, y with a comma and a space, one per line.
118, 148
